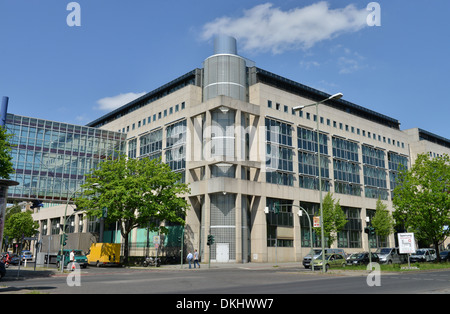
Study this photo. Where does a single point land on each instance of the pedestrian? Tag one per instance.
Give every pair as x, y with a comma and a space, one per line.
71, 263
189, 259
196, 259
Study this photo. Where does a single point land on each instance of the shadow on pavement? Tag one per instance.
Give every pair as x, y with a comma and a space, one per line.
14, 275
24, 289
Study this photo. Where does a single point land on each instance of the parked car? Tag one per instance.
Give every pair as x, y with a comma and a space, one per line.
2, 270
331, 260
307, 259
317, 253
362, 258
14, 259
445, 256
26, 255
391, 256
423, 255
80, 258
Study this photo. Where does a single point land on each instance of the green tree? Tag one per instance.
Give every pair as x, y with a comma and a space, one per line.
20, 225
6, 166
334, 219
134, 193
422, 199
383, 222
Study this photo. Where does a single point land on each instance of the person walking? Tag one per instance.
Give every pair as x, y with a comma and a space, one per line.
189, 258
196, 259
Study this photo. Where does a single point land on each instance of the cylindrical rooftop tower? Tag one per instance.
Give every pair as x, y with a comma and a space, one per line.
225, 71
225, 45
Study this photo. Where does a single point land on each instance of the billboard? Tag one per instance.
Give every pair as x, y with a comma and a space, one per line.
406, 243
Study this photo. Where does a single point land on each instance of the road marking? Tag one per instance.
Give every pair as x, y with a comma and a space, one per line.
146, 279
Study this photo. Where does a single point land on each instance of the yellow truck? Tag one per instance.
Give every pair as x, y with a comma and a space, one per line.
104, 254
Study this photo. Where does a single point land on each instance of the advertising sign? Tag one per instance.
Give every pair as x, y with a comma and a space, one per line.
406, 243
316, 221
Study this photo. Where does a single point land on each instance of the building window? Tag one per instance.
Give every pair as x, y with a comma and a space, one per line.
279, 153
350, 236
176, 146
132, 148
397, 163
280, 215
307, 140
344, 149
222, 133
151, 144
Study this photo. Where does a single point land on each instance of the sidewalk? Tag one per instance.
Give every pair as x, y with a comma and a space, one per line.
249, 266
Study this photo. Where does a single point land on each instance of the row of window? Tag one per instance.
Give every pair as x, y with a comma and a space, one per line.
336, 124
345, 158
149, 119
281, 214
151, 145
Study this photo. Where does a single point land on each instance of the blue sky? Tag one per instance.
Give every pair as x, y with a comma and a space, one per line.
125, 48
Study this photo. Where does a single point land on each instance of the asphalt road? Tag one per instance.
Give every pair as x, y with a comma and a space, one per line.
217, 281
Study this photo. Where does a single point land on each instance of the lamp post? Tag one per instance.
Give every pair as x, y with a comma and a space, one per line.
300, 213
335, 96
368, 238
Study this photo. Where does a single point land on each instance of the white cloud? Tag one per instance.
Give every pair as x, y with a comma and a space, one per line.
350, 62
114, 102
265, 28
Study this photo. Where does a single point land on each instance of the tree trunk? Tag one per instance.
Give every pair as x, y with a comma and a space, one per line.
125, 249
436, 248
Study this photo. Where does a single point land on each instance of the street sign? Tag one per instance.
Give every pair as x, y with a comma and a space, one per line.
406, 243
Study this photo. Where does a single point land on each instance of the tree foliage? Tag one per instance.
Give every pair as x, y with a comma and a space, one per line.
383, 222
334, 218
134, 193
6, 166
19, 225
422, 199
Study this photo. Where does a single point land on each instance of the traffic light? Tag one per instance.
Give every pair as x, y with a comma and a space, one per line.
64, 239
210, 240
370, 231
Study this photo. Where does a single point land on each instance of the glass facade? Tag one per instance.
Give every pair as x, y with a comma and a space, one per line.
279, 153
51, 158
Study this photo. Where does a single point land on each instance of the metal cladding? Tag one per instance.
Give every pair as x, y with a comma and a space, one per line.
225, 45
225, 71
3, 110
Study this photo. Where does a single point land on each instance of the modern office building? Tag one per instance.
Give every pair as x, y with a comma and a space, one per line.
251, 160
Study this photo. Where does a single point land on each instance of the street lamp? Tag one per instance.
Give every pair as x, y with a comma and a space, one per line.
335, 96
300, 213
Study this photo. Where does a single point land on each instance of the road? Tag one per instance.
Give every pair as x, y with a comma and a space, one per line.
229, 280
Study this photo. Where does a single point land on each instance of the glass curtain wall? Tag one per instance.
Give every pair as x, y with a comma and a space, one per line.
51, 158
